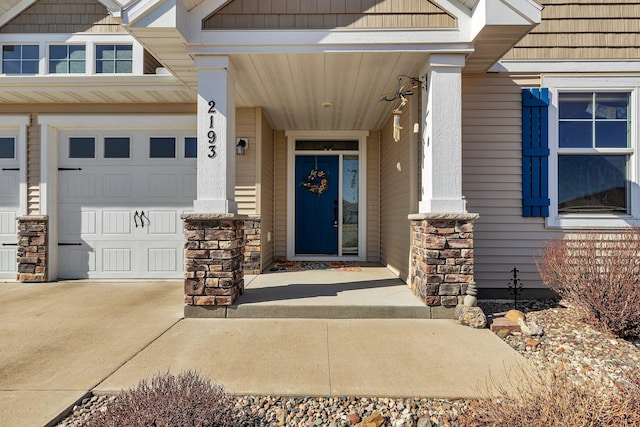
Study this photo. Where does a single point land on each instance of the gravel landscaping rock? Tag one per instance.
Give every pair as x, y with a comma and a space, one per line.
568, 345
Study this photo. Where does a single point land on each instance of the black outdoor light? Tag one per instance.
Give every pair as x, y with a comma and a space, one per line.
241, 146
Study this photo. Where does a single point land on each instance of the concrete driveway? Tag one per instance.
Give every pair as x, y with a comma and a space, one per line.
59, 340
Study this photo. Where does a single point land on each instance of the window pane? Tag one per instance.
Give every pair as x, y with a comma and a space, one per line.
105, 52
57, 67
592, 184
612, 105
612, 134
57, 52
7, 148
82, 148
104, 67
30, 67
30, 52
116, 148
76, 67
575, 105
77, 52
350, 186
190, 147
326, 145
160, 148
124, 52
11, 67
575, 134
11, 52
123, 67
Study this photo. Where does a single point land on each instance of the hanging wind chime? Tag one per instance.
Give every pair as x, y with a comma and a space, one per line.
402, 96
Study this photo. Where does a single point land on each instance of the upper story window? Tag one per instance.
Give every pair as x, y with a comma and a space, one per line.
67, 59
594, 167
116, 59
20, 59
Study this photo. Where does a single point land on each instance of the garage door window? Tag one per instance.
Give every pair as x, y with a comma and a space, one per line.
7, 148
82, 148
190, 148
116, 148
162, 148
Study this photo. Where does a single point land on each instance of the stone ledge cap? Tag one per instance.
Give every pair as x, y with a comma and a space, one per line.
212, 216
443, 215
33, 218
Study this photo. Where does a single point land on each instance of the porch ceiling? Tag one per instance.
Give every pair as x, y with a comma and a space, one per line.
293, 87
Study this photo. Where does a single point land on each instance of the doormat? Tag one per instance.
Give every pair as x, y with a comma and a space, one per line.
315, 265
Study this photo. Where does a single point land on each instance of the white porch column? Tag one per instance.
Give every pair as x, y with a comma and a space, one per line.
442, 136
216, 136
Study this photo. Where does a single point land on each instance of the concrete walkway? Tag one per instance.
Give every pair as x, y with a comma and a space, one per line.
60, 341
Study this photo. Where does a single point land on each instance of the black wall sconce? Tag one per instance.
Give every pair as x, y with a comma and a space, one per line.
241, 146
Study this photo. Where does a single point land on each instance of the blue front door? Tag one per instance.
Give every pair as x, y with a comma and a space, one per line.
317, 179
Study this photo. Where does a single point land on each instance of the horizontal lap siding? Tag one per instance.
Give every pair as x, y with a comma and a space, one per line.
373, 197
395, 197
280, 199
246, 165
583, 29
266, 189
492, 182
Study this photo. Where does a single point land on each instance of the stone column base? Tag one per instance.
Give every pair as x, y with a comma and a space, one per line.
33, 231
252, 248
441, 257
214, 258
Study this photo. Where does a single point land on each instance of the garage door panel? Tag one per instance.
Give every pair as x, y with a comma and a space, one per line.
162, 222
162, 186
9, 184
116, 186
76, 187
162, 259
116, 260
76, 221
8, 260
189, 186
8, 224
116, 222
76, 262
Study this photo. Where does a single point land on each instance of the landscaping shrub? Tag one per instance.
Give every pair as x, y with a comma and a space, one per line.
553, 400
600, 275
185, 400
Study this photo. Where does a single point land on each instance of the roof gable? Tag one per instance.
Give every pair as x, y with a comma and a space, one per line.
63, 16
324, 14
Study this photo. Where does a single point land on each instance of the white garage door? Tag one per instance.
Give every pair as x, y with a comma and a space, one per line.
9, 203
120, 200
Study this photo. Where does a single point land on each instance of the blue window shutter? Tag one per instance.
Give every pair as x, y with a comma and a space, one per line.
535, 153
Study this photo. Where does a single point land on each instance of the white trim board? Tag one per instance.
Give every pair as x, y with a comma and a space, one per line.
564, 66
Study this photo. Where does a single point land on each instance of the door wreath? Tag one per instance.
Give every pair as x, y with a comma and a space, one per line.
316, 182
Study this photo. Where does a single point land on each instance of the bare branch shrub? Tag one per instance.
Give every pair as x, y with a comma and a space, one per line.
553, 400
185, 400
600, 275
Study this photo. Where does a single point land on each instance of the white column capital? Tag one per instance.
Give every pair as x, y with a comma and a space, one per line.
446, 60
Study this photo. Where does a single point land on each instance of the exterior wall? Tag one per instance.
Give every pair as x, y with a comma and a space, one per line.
492, 182
256, 14
267, 194
583, 29
395, 195
280, 199
246, 165
373, 197
64, 16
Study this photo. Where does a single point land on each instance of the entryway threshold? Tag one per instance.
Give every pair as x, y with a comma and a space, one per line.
374, 292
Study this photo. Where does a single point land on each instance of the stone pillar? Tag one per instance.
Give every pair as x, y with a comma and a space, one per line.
441, 257
33, 257
214, 251
252, 248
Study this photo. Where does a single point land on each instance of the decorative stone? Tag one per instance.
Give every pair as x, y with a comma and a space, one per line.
33, 236
471, 300
530, 328
515, 315
503, 324
471, 316
374, 420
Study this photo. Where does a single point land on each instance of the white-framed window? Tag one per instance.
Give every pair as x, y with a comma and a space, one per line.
20, 58
67, 59
593, 142
114, 59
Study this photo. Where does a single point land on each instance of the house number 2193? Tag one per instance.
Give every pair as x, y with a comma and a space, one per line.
211, 134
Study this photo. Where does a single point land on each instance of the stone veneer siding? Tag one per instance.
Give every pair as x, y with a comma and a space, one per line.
252, 248
32, 248
441, 257
214, 258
